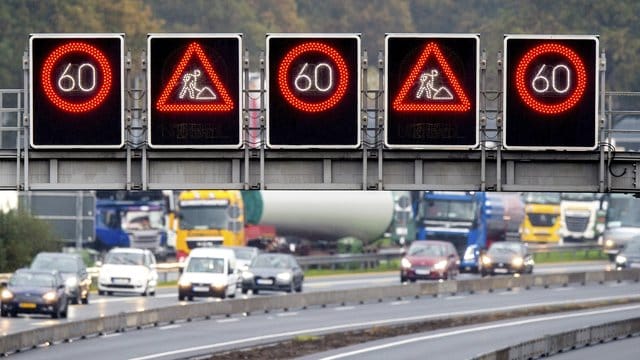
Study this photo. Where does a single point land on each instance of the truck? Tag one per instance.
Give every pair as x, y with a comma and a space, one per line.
469, 220
137, 219
579, 216
541, 222
622, 222
208, 218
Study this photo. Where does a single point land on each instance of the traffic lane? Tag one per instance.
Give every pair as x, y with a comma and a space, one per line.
468, 341
183, 339
168, 296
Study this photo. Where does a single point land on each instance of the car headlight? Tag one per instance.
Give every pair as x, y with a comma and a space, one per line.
6, 294
71, 282
247, 274
184, 282
219, 285
469, 255
486, 260
50, 296
440, 265
284, 277
621, 259
517, 261
609, 243
405, 263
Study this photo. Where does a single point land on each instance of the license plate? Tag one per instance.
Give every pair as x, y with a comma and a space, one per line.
200, 289
501, 270
27, 305
422, 272
264, 282
120, 280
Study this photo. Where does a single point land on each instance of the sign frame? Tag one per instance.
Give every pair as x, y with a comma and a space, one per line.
476, 95
71, 36
596, 80
239, 96
357, 80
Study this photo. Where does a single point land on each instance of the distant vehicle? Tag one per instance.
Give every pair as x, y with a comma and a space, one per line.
73, 271
275, 272
244, 256
35, 292
579, 217
541, 222
209, 272
128, 270
629, 257
622, 222
430, 260
508, 257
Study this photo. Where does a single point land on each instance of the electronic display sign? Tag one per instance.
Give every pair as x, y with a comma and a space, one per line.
76, 91
431, 91
550, 92
195, 90
313, 90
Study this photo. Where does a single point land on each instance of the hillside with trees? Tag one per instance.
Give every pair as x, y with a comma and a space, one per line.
613, 20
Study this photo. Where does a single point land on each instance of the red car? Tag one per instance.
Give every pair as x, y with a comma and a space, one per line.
429, 260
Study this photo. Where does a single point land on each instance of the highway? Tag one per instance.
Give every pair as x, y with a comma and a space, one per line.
186, 338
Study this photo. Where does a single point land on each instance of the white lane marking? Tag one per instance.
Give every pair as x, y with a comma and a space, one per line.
222, 321
563, 289
111, 335
130, 298
475, 329
458, 297
337, 283
364, 324
287, 314
169, 327
403, 302
344, 308
507, 293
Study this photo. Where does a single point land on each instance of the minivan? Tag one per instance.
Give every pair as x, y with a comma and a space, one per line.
208, 272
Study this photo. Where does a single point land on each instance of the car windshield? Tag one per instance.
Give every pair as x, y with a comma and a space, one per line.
206, 265
501, 248
244, 254
31, 279
271, 261
426, 250
62, 264
124, 258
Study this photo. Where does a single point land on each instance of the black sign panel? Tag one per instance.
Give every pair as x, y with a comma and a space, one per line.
551, 92
76, 90
313, 90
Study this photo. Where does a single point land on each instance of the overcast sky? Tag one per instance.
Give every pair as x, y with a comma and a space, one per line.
8, 200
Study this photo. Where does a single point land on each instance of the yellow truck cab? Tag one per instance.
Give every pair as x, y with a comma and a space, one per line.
541, 223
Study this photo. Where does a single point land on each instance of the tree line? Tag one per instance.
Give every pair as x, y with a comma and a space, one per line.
613, 20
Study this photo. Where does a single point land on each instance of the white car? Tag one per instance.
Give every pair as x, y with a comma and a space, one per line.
128, 270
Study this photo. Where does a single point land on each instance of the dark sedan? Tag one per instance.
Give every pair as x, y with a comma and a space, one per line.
507, 257
275, 272
629, 257
35, 292
73, 271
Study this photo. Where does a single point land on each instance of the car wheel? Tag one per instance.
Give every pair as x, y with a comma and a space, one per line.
14, 314
3, 313
290, 289
180, 297
299, 287
245, 290
56, 314
63, 314
255, 291
190, 298
100, 292
109, 293
76, 300
85, 301
403, 279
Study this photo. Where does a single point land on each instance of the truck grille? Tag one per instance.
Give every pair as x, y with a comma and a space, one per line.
575, 223
542, 219
145, 241
204, 242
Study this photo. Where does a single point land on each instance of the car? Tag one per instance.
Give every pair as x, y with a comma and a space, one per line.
629, 257
209, 272
244, 256
128, 270
73, 271
429, 260
35, 292
507, 257
273, 272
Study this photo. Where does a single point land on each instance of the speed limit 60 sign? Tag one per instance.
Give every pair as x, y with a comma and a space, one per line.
313, 90
551, 92
76, 92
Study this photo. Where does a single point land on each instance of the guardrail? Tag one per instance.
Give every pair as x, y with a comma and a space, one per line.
154, 317
569, 340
